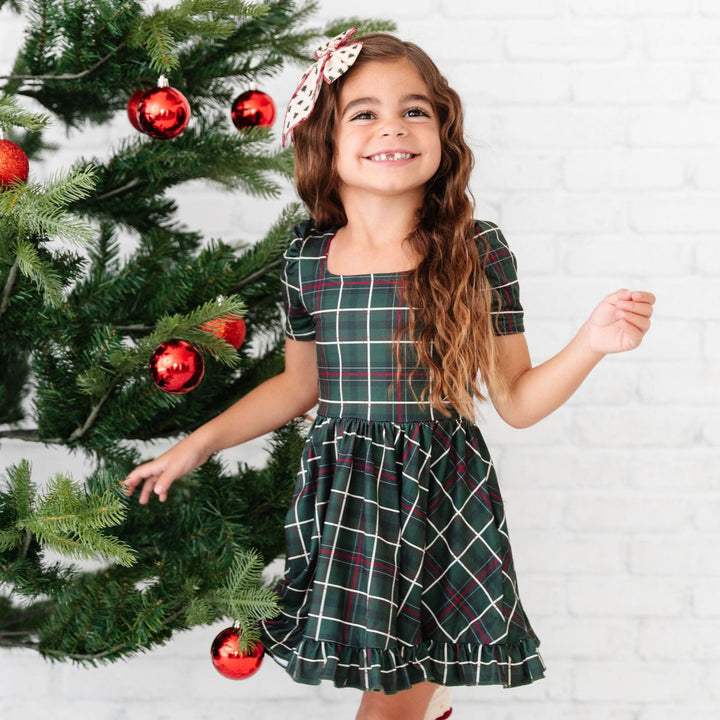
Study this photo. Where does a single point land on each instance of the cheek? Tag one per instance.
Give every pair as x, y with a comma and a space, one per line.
439, 157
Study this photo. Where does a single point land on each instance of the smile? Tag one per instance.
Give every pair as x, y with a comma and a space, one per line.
383, 157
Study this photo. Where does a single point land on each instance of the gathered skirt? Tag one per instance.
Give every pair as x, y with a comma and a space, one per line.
399, 568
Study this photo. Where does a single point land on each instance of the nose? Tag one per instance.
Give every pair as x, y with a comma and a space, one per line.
393, 128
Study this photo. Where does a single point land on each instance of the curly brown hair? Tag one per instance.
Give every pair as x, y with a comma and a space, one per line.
448, 293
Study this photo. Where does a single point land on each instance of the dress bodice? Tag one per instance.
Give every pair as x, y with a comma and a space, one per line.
354, 320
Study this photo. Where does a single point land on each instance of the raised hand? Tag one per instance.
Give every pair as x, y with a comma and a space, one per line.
620, 321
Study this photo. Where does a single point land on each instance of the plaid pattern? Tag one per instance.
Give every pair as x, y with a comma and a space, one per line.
398, 567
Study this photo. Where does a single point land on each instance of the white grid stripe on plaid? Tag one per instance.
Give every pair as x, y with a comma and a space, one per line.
399, 566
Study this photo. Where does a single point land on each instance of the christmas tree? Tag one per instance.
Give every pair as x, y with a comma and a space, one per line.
87, 327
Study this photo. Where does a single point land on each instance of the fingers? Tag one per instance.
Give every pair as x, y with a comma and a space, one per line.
146, 491
621, 320
635, 312
637, 323
632, 307
140, 473
158, 475
643, 297
618, 296
636, 309
155, 480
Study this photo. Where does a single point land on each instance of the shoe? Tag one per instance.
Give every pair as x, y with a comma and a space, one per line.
439, 707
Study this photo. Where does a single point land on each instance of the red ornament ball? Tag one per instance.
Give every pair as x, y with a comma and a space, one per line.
231, 329
163, 112
132, 106
253, 109
229, 661
176, 366
14, 166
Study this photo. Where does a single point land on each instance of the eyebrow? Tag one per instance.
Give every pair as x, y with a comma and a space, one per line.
370, 100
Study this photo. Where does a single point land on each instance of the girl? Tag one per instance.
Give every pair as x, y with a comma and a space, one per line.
399, 575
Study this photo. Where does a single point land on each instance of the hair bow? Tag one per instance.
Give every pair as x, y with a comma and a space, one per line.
333, 60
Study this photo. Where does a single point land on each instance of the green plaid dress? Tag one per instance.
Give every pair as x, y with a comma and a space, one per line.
398, 566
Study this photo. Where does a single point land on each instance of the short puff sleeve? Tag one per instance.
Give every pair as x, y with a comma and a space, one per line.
299, 324
500, 268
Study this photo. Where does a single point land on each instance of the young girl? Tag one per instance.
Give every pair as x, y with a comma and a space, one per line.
399, 575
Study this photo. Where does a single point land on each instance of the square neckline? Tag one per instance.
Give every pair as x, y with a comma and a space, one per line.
326, 268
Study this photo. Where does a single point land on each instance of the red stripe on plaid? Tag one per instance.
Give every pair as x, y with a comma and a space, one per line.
357, 558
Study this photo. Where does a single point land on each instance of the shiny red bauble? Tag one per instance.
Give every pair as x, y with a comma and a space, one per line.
14, 166
132, 106
163, 112
229, 661
252, 109
231, 329
176, 366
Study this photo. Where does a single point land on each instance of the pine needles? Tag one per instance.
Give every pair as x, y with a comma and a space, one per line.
162, 33
64, 518
81, 312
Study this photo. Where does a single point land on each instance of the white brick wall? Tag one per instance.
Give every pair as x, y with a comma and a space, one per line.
595, 124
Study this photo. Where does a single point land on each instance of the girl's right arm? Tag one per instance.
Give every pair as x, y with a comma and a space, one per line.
269, 406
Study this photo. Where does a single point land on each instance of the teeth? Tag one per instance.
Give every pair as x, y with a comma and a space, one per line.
391, 156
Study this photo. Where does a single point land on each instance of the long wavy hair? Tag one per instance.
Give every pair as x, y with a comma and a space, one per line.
448, 294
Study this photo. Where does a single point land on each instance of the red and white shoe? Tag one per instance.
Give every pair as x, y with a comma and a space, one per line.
439, 707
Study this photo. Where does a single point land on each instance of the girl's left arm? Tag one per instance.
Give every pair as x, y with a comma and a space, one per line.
617, 324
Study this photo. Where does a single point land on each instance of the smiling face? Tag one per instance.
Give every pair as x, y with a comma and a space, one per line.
387, 139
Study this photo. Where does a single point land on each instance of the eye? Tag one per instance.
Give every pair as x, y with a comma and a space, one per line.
417, 112
363, 115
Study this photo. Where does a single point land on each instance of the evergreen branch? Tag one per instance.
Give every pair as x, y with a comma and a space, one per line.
208, 151
338, 25
9, 284
255, 604
160, 45
15, 5
161, 33
224, 8
245, 599
94, 381
14, 644
10, 539
26, 544
200, 611
65, 518
69, 76
119, 190
29, 435
41, 209
87, 547
42, 272
187, 327
21, 489
12, 115
261, 272
110, 651
28, 613
264, 255
81, 656
90, 657
80, 432
88, 387
69, 507
76, 185
134, 329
